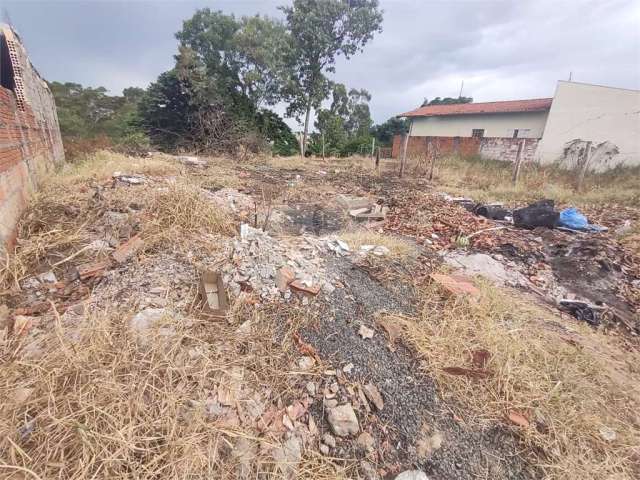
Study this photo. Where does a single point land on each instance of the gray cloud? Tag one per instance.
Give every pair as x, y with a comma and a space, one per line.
501, 49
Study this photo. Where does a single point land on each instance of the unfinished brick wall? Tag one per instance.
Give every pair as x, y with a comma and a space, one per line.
504, 149
30, 142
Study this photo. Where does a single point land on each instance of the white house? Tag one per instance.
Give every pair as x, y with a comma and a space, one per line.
547, 130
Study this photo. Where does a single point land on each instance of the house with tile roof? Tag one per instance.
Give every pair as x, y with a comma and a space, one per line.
559, 129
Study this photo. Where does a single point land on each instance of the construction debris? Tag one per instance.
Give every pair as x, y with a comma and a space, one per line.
343, 421
213, 294
128, 249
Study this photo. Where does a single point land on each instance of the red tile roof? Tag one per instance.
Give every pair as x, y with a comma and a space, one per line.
534, 105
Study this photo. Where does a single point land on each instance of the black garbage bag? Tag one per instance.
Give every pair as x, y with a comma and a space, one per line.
538, 214
492, 212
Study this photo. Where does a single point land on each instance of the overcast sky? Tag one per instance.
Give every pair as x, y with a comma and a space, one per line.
501, 49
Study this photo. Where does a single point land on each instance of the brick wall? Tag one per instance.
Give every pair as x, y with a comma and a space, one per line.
30, 142
495, 148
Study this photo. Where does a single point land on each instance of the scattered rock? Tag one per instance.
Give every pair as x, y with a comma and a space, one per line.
324, 449
330, 403
348, 368
607, 433
343, 420
128, 249
366, 442
365, 332
245, 452
412, 475
47, 277
329, 440
306, 363
284, 277
146, 319
373, 395
288, 456
368, 471
311, 389
426, 446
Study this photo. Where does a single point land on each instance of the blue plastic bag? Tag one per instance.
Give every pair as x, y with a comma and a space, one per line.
572, 218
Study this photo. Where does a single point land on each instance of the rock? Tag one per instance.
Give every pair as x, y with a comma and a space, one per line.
380, 250
348, 368
245, 451
288, 456
146, 319
412, 475
47, 277
373, 395
426, 446
365, 332
284, 277
311, 389
21, 395
329, 440
324, 449
22, 324
607, 433
366, 442
331, 403
306, 363
368, 471
343, 420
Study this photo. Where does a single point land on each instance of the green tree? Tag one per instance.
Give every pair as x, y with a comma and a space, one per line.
385, 132
319, 31
446, 101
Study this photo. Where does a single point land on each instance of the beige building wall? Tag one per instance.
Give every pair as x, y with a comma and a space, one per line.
529, 125
592, 113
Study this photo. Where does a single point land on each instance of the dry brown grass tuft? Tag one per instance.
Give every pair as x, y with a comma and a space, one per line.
490, 180
181, 210
567, 389
398, 248
104, 163
103, 401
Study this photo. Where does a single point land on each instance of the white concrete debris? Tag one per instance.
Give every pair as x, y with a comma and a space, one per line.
233, 200
192, 161
412, 475
257, 257
486, 266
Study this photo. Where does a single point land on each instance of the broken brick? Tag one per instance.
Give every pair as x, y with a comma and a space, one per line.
456, 284
128, 249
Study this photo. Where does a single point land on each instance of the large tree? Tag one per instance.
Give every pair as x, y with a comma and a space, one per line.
320, 31
446, 101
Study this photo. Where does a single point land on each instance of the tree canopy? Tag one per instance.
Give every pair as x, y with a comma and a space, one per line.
446, 101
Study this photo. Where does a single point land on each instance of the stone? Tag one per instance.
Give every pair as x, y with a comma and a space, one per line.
311, 389
607, 433
324, 449
366, 442
368, 471
373, 395
329, 440
245, 452
146, 319
128, 249
287, 457
47, 277
306, 363
426, 446
284, 276
4, 316
343, 420
412, 475
365, 332
348, 368
331, 403
381, 250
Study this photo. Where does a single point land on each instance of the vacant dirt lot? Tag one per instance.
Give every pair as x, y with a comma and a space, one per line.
375, 325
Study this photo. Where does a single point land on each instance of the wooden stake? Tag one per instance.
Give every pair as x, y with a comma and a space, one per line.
373, 146
322, 146
404, 150
585, 166
516, 168
378, 159
434, 156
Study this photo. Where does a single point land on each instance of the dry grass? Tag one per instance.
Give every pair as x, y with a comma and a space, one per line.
489, 180
102, 401
568, 389
104, 163
398, 248
182, 210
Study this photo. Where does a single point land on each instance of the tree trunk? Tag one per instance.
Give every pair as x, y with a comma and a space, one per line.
303, 149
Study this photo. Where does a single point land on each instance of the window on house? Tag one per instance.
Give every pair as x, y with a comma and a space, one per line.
515, 133
477, 132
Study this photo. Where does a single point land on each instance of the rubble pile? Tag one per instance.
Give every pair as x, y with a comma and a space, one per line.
257, 258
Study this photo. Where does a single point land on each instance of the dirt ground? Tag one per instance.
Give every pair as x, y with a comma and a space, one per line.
354, 366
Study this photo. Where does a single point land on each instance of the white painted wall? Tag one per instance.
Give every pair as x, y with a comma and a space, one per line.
593, 113
529, 125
